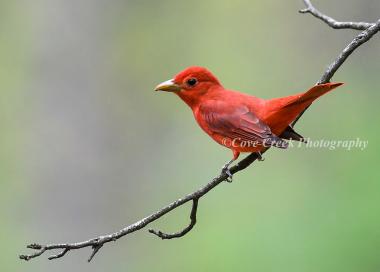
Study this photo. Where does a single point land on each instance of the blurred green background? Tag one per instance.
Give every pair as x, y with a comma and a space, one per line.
87, 147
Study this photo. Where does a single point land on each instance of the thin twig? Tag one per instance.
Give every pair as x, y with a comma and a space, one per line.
59, 255
332, 22
193, 221
369, 31
97, 243
347, 51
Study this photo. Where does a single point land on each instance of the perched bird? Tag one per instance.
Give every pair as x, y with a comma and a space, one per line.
241, 122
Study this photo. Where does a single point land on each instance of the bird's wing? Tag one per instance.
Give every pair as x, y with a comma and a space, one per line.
237, 122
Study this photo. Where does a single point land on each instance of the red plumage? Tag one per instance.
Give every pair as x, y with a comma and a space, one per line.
239, 121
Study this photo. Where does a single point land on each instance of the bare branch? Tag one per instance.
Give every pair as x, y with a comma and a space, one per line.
332, 22
351, 47
193, 221
97, 243
366, 35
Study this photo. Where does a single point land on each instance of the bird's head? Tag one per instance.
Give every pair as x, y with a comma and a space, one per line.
190, 84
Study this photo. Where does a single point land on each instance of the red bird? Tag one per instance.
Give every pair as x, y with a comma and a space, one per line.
239, 121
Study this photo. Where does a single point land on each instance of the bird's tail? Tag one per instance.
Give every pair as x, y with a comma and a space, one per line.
282, 111
315, 92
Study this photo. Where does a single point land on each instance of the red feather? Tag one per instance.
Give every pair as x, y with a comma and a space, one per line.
229, 116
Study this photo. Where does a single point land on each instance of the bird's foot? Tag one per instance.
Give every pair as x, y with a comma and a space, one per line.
226, 170
260, 157
228, 173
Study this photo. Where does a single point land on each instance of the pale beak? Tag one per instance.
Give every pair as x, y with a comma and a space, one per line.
168, 86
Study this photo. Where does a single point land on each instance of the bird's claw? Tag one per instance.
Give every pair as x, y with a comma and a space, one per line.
226, 170
259, 157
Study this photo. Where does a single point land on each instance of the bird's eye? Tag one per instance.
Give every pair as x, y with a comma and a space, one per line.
191, 81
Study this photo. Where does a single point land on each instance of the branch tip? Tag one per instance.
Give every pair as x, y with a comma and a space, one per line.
23, 257
95, 250
34, 246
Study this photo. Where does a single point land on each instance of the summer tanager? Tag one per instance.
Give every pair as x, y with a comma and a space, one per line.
241, 122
